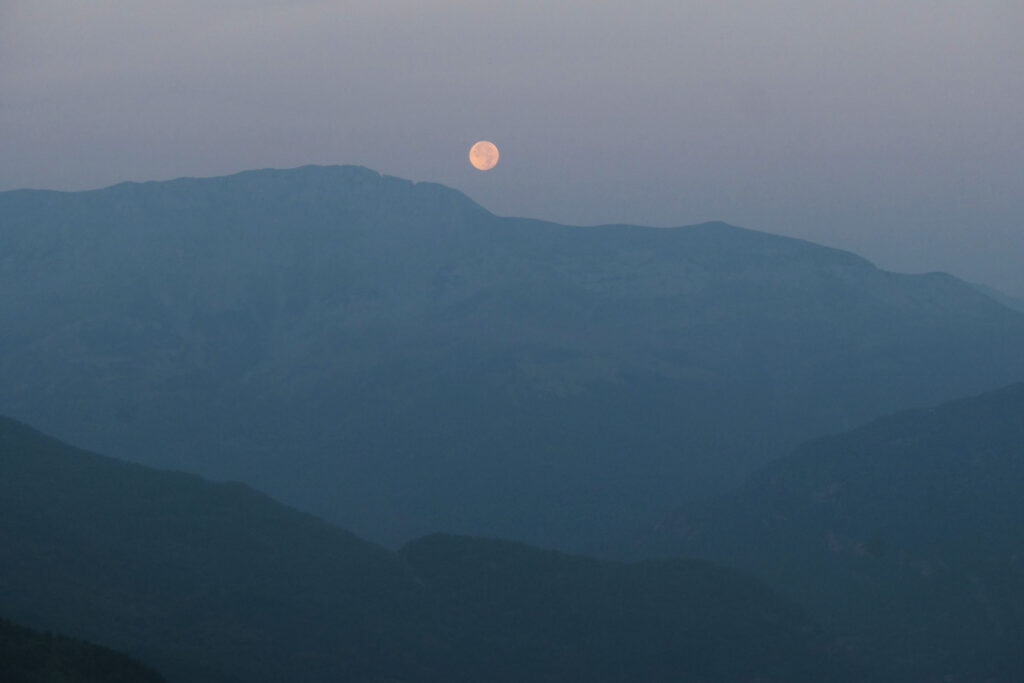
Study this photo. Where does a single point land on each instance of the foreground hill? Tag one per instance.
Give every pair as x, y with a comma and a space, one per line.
30, 657
906, 535
214, 582
391, 356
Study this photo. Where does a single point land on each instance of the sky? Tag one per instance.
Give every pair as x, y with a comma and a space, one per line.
892, 129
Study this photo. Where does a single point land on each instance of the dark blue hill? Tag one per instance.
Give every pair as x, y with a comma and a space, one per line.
27, 656
905, 536
218, 583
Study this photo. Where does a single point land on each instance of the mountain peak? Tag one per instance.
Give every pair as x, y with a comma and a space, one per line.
308, 183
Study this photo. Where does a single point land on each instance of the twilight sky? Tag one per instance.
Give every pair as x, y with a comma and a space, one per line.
894, 129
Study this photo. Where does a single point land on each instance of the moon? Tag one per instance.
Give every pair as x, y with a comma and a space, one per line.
483, 155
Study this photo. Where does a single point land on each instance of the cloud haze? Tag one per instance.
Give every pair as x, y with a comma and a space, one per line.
893, 129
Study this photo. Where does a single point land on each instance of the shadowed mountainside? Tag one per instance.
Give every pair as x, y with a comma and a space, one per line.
30, 657
217, 583
905, 536
393, 357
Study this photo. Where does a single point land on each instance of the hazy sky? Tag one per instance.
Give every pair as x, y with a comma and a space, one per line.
895, 129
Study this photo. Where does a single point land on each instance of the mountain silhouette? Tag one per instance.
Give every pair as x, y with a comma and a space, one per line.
27, 656
216, 582
905, 535
391, 356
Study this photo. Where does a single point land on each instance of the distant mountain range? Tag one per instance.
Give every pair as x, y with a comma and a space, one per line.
216, 583
393, 357
905, 536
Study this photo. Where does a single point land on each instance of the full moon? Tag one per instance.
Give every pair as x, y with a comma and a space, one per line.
483, 155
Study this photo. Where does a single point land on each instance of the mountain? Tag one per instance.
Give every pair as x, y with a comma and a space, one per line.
905, 535
1016, 303
509, 612
191, 577
30, 657
216, 583
394, 358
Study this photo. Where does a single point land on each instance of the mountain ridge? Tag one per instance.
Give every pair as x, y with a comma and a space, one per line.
331, 329
213, 583
904, 534
363, 173
27, 656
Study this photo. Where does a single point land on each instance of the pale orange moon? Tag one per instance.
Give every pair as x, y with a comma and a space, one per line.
483, 155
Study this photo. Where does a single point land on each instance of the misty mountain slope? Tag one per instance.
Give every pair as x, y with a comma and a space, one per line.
395, 358
30, 657
214, 582
906, 534
1016, 303
192, 577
